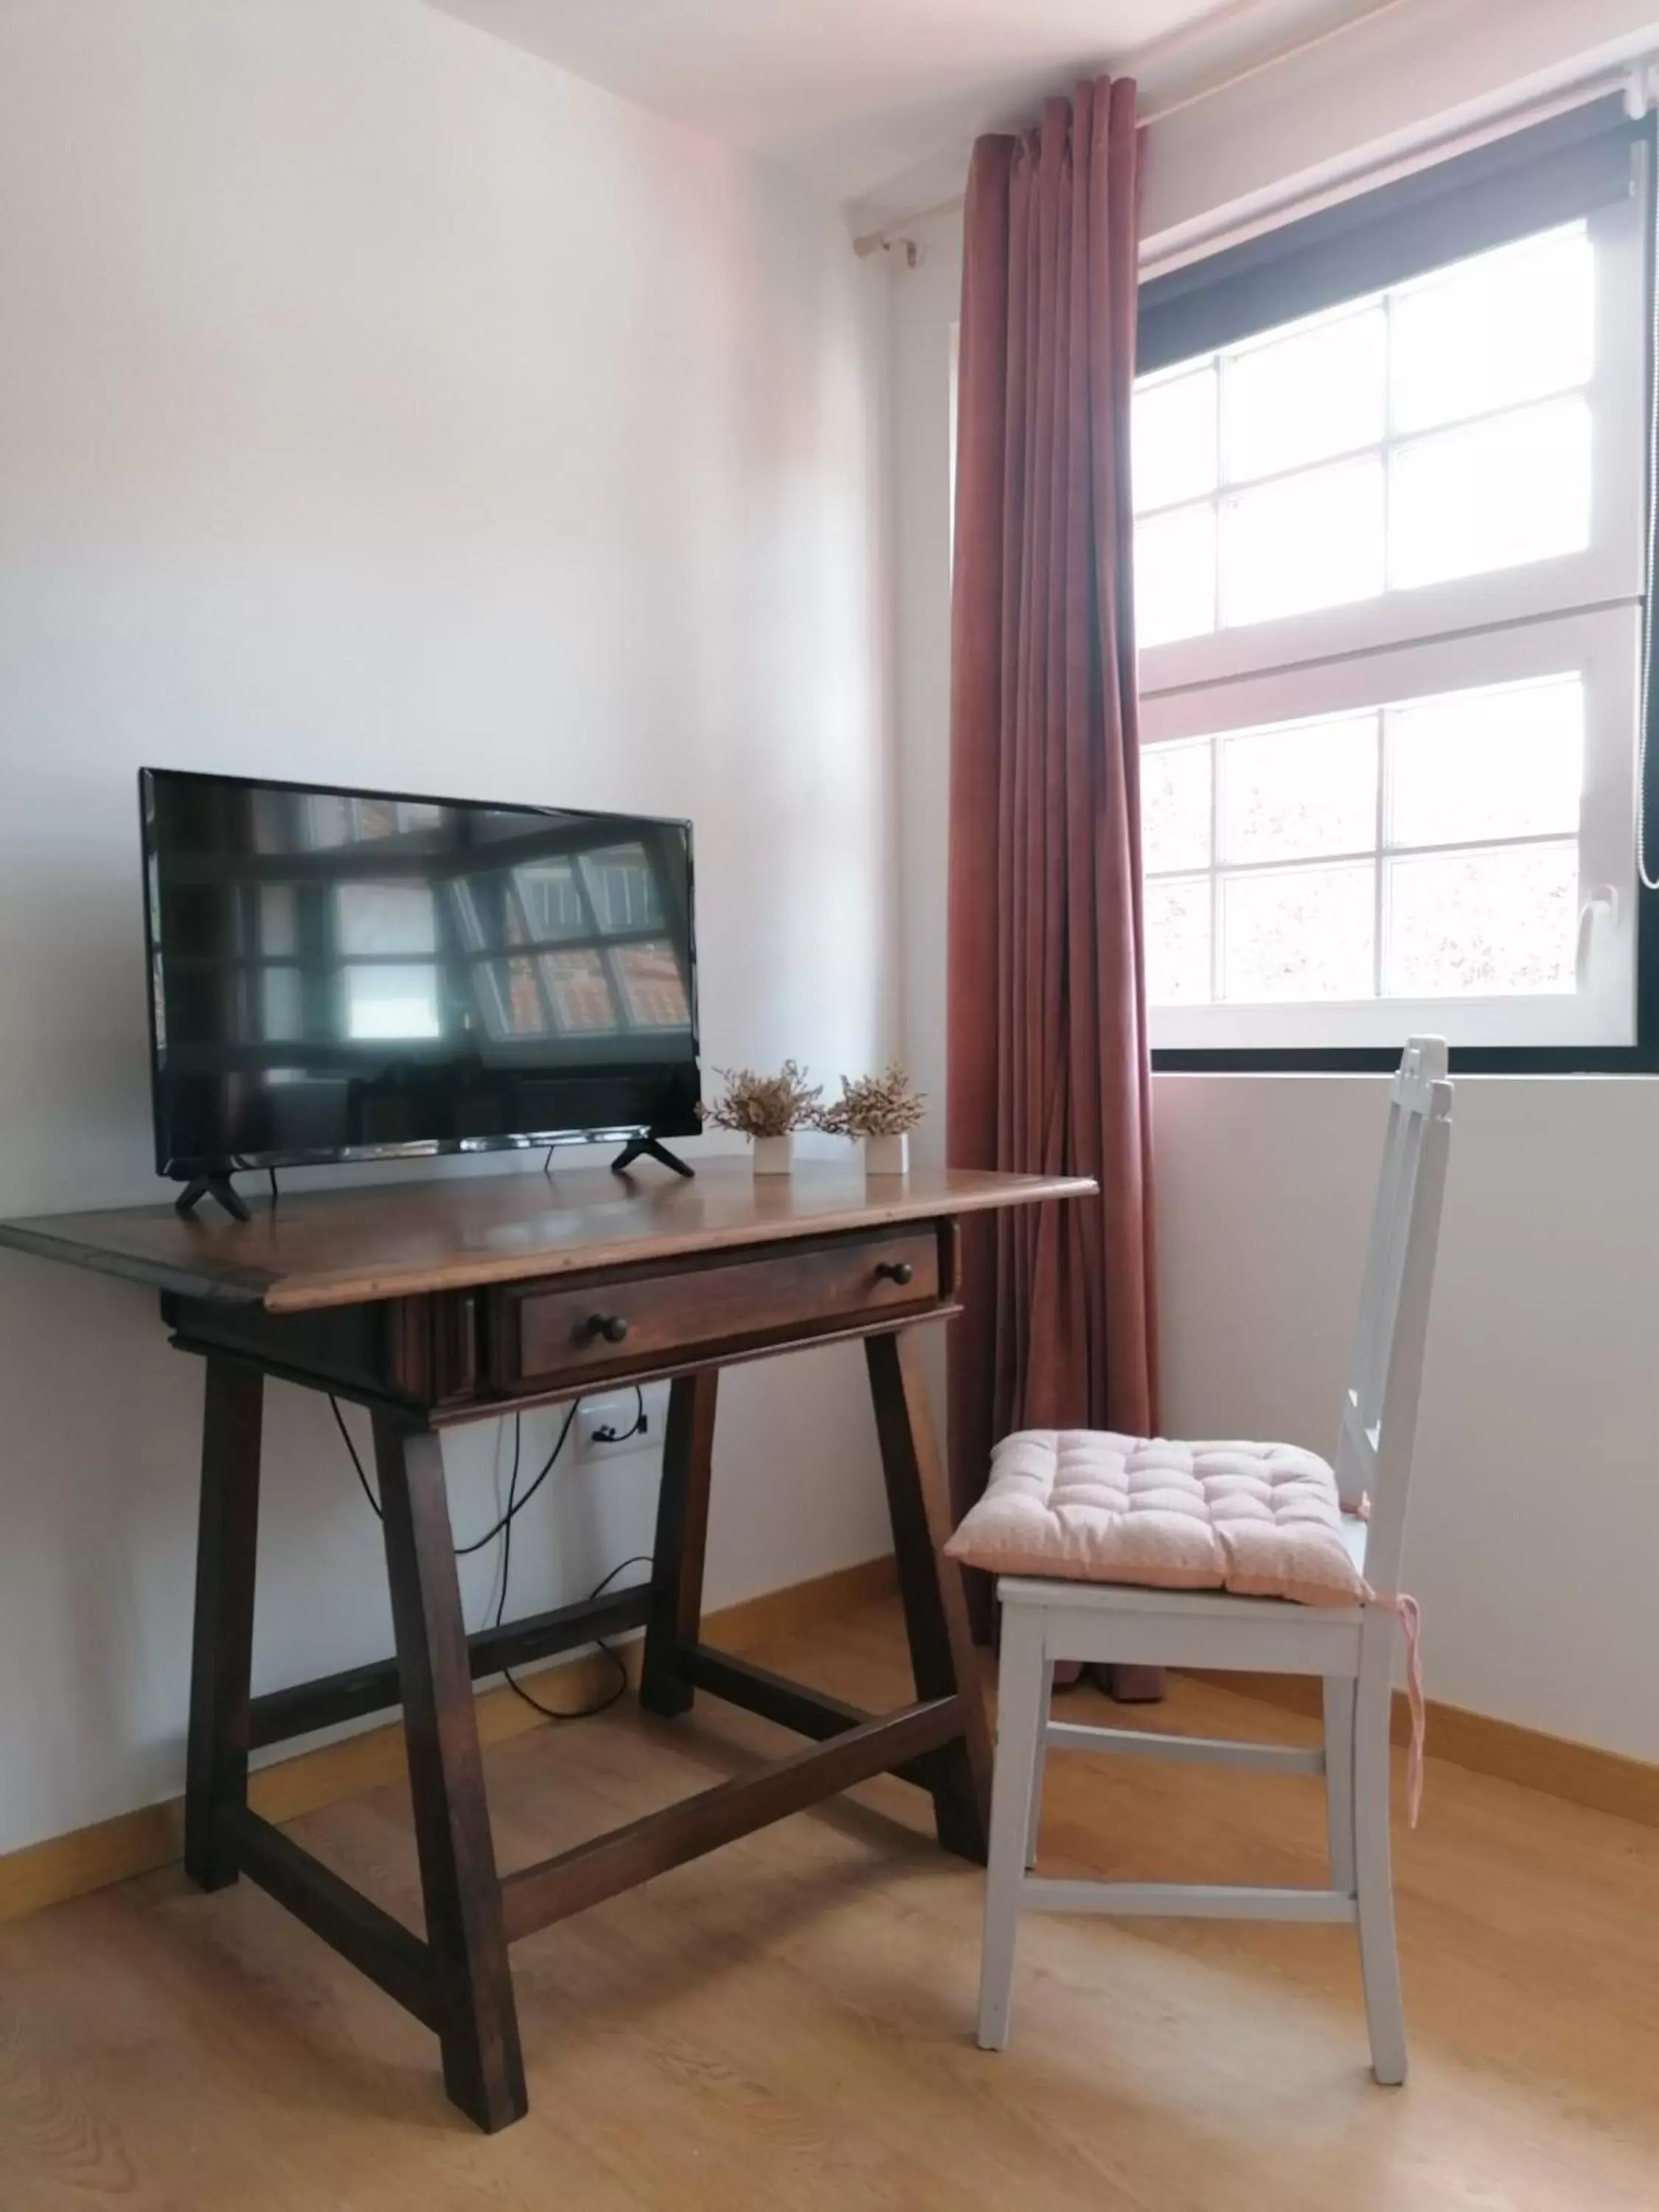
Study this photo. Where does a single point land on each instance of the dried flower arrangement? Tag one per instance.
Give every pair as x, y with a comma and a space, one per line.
884, 1105
765, 1105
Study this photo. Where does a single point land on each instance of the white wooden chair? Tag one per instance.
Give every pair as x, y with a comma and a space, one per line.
1350, 1648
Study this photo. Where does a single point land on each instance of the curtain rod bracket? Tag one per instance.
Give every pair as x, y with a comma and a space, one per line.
878, 241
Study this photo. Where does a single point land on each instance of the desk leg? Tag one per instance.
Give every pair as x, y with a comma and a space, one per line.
477, 2025
935, 1607
682, 1539
216, 1766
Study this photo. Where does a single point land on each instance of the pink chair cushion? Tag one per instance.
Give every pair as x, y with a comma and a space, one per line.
1086, 1506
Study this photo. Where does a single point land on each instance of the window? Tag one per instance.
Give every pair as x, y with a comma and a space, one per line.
387, 993
1390, 557
590, 952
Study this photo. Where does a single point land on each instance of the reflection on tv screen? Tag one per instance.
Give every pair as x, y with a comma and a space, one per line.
339, 972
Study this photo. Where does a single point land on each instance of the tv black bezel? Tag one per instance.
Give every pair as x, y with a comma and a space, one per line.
180, 1168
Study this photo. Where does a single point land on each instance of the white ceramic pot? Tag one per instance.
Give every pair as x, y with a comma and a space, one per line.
887, 1156
775, 1155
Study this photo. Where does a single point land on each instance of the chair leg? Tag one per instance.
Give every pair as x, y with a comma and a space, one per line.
1020, 1721
1374, 1882
1034, 1818
1339, 1780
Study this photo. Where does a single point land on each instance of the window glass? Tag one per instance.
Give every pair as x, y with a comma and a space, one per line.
1456, 815
1175, 574
1319, 389
1306, 541
1501, 919
1492, 495
1457, 404
1504, 763
1488, 333
1178, 940
1175, 806
1298, 933
1175, 438
1293, 794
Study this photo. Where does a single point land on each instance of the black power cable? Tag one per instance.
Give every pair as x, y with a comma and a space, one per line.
345, 1435
503, 1529
515, 1505
636, 1428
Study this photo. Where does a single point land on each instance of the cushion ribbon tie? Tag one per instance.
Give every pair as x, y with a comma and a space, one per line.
1407, 1613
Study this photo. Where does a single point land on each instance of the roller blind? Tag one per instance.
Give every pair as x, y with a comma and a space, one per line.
1555, 173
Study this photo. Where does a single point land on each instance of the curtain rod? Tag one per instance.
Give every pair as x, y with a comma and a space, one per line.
875, 241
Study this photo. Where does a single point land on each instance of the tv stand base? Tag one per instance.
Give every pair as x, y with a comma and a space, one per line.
219, 1186
648, 1148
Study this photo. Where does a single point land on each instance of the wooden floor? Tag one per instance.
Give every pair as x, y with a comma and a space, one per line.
788, 2023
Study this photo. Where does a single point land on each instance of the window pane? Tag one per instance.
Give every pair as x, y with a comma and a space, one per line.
1507, 762
1298, 933
1290, 794
390, 1001
279, 921
579, 990
653, 986
1482, 924
1298, 398
1491, 496
552, 899
1174, 807
1312, 541
380, 918
1174, 428
512, 1007
283, 1009
1175, 575
623, 888
1178, 941
1504, 327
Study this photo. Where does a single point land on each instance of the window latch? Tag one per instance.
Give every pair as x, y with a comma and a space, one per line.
1596, 918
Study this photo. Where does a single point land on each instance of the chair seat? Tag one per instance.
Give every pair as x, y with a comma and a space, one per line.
1260, 1520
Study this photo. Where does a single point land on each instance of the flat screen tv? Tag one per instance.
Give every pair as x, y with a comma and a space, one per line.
342, 975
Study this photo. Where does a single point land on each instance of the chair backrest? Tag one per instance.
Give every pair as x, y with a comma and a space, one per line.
1378, 1428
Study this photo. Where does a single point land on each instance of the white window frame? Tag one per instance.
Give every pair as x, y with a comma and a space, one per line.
1580, 612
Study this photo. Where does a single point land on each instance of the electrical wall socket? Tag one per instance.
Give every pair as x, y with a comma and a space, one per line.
606, 1427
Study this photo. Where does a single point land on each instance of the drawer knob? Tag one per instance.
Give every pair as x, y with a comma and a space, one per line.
612, 1327
894, 1271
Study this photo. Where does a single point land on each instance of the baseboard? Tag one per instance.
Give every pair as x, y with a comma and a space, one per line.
136, 1843
1604, 1781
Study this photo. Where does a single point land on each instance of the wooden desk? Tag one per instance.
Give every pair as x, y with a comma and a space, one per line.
457, 1300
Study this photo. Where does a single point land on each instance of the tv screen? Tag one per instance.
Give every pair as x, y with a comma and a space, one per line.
341, 974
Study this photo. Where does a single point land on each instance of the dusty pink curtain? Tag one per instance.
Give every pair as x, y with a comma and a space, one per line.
1047, 1041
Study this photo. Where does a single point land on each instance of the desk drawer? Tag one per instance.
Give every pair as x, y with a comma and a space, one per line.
611, 1322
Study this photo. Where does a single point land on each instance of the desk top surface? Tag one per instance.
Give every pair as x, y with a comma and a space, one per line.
351, 1246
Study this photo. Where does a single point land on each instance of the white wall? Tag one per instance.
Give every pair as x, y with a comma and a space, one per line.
1536, 1514
378, 403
